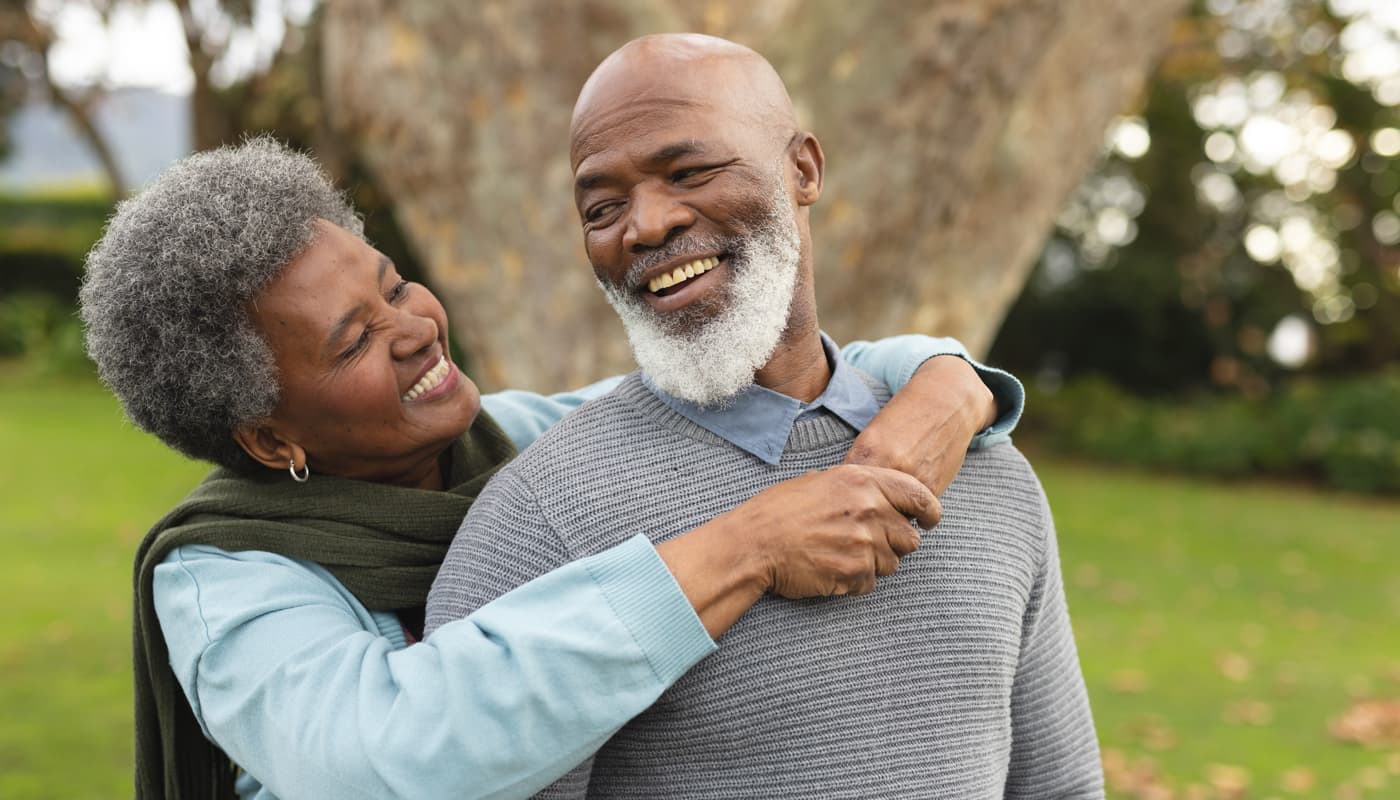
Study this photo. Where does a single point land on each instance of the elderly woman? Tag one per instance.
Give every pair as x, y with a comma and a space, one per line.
238, 314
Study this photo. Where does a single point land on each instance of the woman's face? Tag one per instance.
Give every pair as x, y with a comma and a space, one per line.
367, 389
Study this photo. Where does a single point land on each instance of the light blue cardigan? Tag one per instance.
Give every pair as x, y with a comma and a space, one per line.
316, 696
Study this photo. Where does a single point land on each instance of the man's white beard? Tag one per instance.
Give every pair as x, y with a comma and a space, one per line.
708, 361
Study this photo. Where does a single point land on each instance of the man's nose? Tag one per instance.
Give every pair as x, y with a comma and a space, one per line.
655, 217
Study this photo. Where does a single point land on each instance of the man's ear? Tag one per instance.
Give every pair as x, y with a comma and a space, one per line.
268, 447
811, 165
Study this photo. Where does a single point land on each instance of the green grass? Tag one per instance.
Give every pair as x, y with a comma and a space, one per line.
1227, 625
1218, 625
78, 488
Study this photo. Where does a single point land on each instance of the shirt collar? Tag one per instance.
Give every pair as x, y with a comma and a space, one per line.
758, 420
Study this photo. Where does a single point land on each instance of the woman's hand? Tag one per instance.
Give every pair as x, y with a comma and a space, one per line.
823, 533
832, 532
925, 429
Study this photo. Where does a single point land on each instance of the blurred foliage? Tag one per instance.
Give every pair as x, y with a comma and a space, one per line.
45, 331
44, 238
1244, 223
12, 88
59, 225
1343, 432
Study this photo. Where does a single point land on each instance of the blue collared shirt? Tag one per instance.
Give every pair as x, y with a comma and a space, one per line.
758, 420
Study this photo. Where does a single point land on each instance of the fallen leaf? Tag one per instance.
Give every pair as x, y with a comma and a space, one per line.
1128, 681
1087, 576
1233, 666
1369, 722
1229, 781
1248, 712
1121, 593
1299, 780
1131, 778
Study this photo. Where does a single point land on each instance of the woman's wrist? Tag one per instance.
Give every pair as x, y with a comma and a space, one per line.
978, 406
722, 568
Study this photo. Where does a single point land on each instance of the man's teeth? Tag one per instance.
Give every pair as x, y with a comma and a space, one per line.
430, 381
682, 273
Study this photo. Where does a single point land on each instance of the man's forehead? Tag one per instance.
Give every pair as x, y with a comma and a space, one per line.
641, 129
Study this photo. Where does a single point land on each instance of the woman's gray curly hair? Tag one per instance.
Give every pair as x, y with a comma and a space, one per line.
166, 295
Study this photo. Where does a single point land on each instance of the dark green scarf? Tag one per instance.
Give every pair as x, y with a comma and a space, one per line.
384, 543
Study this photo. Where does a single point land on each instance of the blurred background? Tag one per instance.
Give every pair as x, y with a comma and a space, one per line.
1178, 223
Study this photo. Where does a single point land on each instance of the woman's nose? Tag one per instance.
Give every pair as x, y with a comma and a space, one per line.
415, 333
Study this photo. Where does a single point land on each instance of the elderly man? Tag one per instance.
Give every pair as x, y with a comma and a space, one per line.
958, 677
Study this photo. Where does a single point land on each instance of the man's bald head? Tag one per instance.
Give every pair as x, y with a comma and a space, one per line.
693, 184
683, 70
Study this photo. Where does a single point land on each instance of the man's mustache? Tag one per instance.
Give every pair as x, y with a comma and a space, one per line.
693, 244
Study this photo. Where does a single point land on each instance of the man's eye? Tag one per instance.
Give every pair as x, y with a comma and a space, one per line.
689, 173
600, 211
398, 291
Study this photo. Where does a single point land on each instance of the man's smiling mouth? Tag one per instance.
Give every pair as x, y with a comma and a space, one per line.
662, 284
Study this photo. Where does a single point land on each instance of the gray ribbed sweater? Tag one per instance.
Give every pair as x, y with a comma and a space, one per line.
957, 678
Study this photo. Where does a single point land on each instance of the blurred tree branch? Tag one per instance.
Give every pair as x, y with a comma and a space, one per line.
19, 25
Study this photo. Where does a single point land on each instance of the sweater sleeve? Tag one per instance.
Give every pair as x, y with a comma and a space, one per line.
289, 675
894, 360
504, 541
1054, 749
525, 415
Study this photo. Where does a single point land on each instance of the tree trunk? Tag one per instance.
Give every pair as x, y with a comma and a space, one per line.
209, 120
953, 132
80, 114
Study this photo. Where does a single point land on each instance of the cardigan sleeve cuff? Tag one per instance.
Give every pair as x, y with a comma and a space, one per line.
1011, 402
1010, 394
646, 598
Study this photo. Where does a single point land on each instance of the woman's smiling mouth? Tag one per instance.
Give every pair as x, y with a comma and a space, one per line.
431, 380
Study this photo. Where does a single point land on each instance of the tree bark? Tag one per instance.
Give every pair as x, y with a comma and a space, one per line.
953, 132
210, 125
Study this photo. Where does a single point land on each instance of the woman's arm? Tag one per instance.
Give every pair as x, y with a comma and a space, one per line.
290, 676
895, 360
526, 415
314, 697
944, 403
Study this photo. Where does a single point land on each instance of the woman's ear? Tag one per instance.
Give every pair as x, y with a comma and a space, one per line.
268, 447
811, 165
